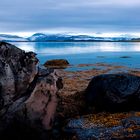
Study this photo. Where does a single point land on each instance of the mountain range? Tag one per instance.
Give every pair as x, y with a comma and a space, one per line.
41, 37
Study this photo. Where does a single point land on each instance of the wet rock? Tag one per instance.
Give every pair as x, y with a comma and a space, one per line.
28, 93
57, 63
114, 92
125, 57
105, 126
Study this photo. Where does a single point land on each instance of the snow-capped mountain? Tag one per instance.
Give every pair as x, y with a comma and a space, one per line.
41, 37
50, 37
62, 37
11, 38
37, 37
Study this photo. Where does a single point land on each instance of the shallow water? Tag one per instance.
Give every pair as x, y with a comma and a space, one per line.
118, 53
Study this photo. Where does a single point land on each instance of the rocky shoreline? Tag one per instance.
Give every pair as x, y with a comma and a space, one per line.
42, 103
86, 123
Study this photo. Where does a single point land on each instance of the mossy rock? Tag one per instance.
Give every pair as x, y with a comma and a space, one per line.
57, 63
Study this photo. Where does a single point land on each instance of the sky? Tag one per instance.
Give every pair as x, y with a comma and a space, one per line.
25, 17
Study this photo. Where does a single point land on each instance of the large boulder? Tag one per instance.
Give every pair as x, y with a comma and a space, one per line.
114, 92
28, 93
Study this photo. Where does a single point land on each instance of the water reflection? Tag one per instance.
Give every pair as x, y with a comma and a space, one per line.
26, 46
86, 52
63, 48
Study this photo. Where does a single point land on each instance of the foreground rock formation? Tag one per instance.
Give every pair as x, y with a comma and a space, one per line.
29, 98
28, 94
94, 121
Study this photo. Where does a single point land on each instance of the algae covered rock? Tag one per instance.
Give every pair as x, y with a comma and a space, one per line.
57, 63
106, 126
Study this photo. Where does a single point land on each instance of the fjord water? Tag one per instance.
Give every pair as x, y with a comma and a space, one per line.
118, 53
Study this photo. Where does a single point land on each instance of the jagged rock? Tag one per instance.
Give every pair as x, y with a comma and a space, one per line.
57, 63
28, 93
114, 92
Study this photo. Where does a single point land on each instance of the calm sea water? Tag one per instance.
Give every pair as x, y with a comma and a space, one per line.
86, 52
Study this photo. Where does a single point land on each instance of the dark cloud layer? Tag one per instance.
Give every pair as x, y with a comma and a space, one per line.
89, 15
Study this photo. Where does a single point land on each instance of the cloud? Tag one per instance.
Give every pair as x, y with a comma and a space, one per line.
86, 15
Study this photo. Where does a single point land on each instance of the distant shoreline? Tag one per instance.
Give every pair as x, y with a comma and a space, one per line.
74, 41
